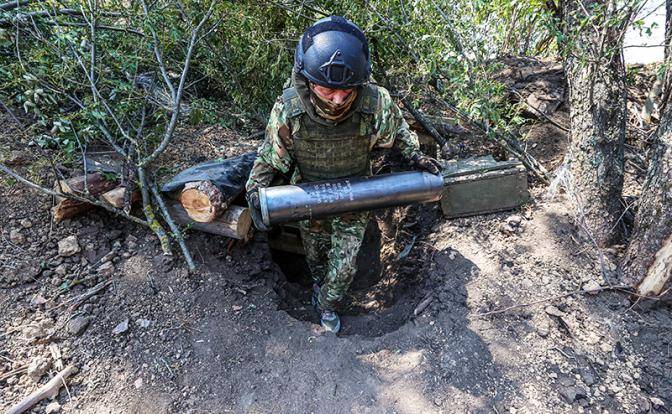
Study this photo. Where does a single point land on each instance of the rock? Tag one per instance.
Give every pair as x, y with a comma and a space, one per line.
657, 402
25, 223
571, 394
121, 328
591, 287
514, 220
61, 269
16, 237
587, 376
34, 332
543, 329
106, 269
566, 381
38, 300
68, 246
113, 234
77, 326
138, 383
53, 407
143, 323
38, 367
553, 311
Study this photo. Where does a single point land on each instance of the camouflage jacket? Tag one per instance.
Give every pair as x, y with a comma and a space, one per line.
275, 154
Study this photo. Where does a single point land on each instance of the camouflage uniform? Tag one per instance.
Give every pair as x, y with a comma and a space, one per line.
331, 244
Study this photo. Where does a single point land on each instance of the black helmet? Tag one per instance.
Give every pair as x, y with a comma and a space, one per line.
333, 53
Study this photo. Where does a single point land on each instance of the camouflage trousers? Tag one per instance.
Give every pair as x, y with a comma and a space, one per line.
331, 247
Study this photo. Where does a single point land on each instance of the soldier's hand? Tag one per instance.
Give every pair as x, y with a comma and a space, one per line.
424, 163
255, 210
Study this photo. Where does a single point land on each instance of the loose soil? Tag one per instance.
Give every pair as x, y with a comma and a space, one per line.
240, 335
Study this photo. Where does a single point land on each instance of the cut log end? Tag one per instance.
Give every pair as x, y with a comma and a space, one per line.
203, 201
234, 223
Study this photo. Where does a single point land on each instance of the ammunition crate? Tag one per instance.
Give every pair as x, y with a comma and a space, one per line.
482, 185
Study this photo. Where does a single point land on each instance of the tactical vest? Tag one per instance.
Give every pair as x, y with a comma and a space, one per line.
326, 150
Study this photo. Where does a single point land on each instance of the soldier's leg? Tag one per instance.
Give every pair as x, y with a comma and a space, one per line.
346, 239
316, 238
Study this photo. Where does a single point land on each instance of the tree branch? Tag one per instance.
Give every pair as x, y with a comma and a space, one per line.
173, 227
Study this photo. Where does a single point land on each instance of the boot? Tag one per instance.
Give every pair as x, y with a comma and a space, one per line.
330, 321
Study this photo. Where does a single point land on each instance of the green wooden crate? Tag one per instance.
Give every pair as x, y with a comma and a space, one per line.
482, 185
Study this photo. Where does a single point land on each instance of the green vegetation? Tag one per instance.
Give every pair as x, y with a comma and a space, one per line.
49, 52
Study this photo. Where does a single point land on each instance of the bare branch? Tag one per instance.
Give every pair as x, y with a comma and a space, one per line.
157, 53
168, 135
173, 227
149, 214
13, 5
52, 193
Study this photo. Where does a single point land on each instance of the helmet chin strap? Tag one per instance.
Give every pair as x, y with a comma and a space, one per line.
328, 109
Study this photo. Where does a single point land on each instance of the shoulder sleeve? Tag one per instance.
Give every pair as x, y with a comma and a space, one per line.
272, 154
390, 127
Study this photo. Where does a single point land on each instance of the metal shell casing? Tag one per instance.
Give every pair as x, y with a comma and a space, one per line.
321, 199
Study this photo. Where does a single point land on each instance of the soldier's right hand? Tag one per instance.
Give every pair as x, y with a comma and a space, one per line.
255, 210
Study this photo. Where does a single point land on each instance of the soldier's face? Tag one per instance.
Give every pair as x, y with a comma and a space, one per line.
336, 96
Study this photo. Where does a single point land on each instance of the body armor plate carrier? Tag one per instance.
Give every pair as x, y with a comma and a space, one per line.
326, 150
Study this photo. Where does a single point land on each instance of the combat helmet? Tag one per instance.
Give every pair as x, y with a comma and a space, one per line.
333, 53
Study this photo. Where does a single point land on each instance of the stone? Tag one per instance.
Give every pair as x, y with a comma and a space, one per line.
53, 407
657, 402
25, 223
553, 311
566, 381
16, 237
38, 300
76, 326
138, 383
121, 327
571, 394
591, 287
543, 329
106, 269
61, 269
114, 234
514, 220
68, 246
34, 332
37, 368
143, 323
587, 376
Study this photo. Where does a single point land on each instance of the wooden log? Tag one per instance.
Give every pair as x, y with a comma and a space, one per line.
235, 222
48, 390
203, 201
115, 197
95, 183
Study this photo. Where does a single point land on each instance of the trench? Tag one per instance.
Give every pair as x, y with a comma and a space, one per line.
384, 291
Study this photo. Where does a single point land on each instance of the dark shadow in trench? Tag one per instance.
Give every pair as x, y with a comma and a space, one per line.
378, 300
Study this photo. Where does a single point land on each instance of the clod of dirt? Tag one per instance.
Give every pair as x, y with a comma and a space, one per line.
38, 367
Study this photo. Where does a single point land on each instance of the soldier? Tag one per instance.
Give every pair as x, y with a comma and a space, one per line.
323, 127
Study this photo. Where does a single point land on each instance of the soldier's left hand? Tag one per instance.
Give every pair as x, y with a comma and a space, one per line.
425, 163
